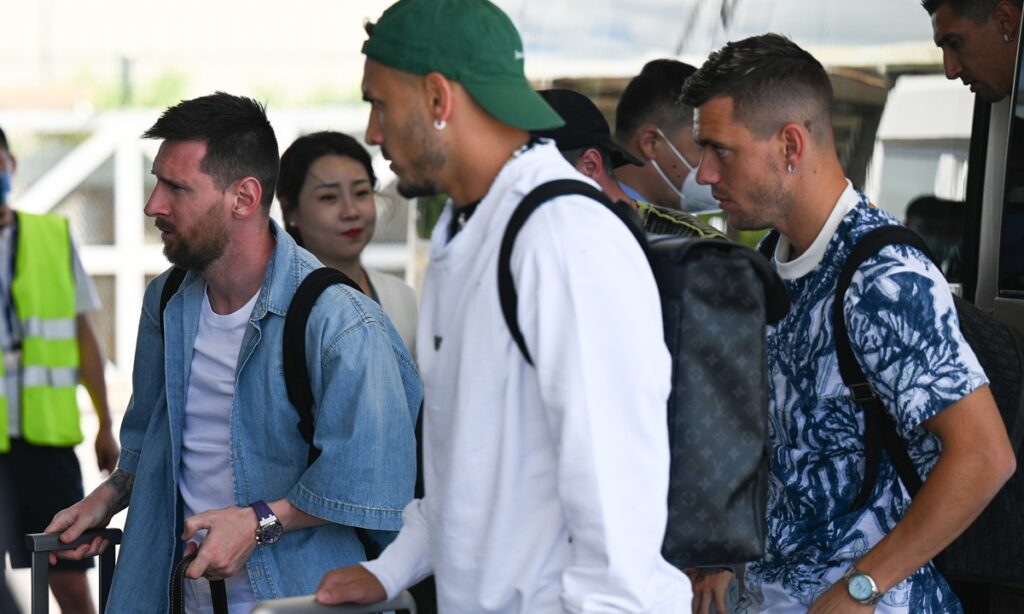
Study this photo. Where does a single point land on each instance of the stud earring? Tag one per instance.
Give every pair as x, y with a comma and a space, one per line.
790, 169
440, 124
1007, 39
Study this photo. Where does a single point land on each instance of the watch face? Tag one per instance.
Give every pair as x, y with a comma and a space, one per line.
270, 533
860, 587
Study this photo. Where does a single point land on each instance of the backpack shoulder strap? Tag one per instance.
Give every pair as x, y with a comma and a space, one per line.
171, 285
296, 372
537, 197
879, 431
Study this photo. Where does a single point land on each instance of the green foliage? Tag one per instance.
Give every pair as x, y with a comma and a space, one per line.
750, 238
326, 94
164, 90
429, 210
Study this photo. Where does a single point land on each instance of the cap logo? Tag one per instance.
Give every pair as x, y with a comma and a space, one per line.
519, 55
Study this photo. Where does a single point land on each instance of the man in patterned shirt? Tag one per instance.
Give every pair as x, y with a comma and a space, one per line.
762, 117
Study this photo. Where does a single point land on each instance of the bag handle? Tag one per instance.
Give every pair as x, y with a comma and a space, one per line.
217, 589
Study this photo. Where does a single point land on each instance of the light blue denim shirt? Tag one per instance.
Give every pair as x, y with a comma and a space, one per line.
367, 394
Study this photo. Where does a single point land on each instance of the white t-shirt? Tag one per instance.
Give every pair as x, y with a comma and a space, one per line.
206, 479
86, 300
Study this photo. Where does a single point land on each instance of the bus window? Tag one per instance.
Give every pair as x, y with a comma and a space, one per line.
1011, 251
920, 172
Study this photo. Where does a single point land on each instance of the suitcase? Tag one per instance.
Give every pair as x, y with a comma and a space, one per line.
305, 605
42, 544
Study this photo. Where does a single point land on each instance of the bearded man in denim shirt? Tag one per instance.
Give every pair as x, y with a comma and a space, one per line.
211, 456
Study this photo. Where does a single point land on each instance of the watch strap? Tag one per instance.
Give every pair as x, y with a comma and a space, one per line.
262, 510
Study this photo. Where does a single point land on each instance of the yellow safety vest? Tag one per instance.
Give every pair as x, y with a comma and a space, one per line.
43, 292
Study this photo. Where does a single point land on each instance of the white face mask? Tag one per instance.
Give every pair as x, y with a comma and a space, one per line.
693, 197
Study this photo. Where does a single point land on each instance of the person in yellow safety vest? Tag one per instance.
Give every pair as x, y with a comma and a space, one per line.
47, 346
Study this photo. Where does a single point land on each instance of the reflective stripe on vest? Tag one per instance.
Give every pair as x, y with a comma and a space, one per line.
43, 291
60, 377
51, 330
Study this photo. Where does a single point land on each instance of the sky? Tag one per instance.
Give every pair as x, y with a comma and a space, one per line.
611, 29
308, 52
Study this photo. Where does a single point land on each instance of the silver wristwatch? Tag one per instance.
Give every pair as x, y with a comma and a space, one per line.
861, 586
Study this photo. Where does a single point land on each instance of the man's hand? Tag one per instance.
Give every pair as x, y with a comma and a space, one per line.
837, 600
229, 542
107, 449
354, 584
710, 585
92, 512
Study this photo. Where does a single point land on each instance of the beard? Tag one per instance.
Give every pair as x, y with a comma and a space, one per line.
769, 204
197, 248
428, 157
410, 189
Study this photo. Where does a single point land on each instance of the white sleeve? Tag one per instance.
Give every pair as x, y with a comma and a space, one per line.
87, 299
591, 316
406, 560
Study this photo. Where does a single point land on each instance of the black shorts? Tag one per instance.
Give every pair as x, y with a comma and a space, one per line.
43, 481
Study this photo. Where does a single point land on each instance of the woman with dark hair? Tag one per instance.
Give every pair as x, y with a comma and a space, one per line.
326, 190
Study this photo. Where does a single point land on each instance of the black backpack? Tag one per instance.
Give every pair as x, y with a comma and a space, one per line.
716, 297
991, 549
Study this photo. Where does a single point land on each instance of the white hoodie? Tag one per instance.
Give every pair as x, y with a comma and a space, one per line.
546, 487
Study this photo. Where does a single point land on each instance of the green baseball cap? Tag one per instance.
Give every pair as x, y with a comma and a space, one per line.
469, 41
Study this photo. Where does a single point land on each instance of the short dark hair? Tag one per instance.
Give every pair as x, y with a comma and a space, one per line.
3, 141
573, 156
239, 139
653, 96
303, 153
772, 82
975, 10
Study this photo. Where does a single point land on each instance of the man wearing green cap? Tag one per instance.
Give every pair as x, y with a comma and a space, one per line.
545, 483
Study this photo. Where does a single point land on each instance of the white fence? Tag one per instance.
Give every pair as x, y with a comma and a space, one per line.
99, 177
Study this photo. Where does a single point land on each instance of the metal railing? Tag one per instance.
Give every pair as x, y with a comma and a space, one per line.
305, 605
102, 159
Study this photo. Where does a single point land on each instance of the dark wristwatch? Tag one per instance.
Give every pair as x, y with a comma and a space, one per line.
269, 529
861, 586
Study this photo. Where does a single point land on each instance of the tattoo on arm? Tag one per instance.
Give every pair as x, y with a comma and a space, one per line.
121, 482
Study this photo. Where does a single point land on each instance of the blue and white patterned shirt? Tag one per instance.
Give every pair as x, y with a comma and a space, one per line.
904, 330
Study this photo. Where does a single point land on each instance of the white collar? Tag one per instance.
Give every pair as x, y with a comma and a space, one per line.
809, 260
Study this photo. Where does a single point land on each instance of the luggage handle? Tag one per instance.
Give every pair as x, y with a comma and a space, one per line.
404, 602
42, 544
